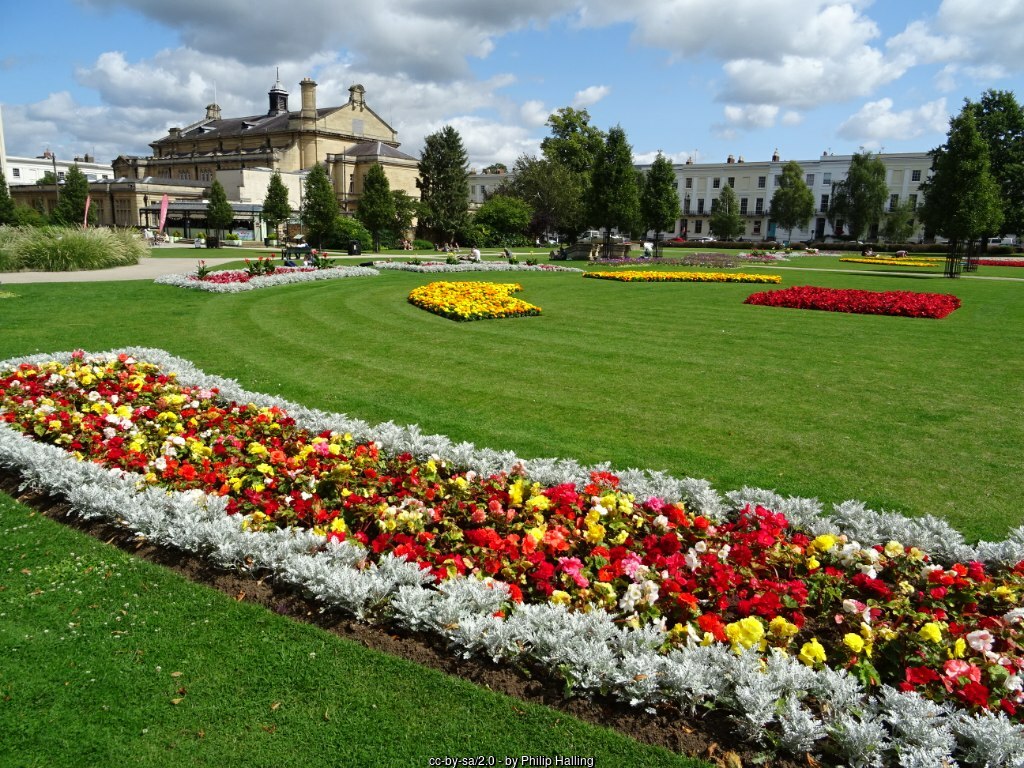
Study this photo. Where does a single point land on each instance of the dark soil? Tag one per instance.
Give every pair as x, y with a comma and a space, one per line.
709, 737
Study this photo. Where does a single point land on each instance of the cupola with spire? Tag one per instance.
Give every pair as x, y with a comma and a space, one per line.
278, 98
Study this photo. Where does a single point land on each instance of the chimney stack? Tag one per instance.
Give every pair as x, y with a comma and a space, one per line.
308, 86
775, 155
213, 112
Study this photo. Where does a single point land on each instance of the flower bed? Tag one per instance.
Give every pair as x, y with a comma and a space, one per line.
235, 281
640, 276
916, 262
685, 602
1001, 262
896, 303
472, 301
429, 267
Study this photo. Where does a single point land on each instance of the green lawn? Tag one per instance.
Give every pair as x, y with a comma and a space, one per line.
109, 660
905, 414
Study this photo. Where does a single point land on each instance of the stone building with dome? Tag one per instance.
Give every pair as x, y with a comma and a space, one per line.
348, 139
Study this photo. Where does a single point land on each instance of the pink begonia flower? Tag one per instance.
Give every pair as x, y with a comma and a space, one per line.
631, 563
571, 566
980, 640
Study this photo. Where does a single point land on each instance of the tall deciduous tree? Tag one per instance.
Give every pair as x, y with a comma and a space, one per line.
276, 206
961, 199
444, 185
376, 208
406, 209
218, 210
793, 203
573, 142
900, 223
726, 222
659, 198
553, 191
507, 216
1000, 120
319, 205
7, 212
496, 168
859, 199
70, 209
614, 199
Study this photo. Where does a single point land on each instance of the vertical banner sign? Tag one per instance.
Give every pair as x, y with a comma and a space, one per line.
163, 212
85, 219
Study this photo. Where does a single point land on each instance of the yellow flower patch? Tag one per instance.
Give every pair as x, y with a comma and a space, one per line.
916, 262
472, 301
640, 276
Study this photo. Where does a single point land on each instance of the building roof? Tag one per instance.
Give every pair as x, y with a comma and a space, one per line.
376, 149
235, 126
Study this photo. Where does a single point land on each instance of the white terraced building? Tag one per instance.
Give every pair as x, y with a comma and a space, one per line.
754, 183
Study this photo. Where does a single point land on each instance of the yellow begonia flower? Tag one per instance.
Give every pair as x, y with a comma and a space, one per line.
256, 449
595, 533
538, 503
1003, 592
854, 642
745, 633
959, 648
813, 563
266, 469
536, 533
338, 525
812, 653
558, 597
780, 627
894, 549
824, 543
620, 538
931, 632
515, 492
335, 450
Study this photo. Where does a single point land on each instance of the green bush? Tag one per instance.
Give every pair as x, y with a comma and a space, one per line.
346, 229
66, 249
422, 245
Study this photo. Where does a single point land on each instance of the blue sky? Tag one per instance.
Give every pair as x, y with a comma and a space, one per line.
703, 78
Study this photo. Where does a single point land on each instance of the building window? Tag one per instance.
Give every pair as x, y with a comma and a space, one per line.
675, 185
206, 175
60, 175
698, 226
757, 227
759, 206
731, 181
716, 182
689, 183
778, 179
700, 206
761, 181
826, 179
16, 172
824, 203
183, 175
913, 202
894, 201
686, 205
743, 206
810, 179
915, 175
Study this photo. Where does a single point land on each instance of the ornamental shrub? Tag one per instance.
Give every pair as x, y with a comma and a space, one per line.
67, 249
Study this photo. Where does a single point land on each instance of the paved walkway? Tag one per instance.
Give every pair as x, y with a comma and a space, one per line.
151, 268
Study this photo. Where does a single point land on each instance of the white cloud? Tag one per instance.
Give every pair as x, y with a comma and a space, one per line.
751, 116
589, 96
876, 122
792, 118
534, 113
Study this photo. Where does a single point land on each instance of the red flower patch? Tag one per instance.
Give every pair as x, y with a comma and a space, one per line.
895, 303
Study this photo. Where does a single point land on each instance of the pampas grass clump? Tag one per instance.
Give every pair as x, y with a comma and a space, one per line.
67, 249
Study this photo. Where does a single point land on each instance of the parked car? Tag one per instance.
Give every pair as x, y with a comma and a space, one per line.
702, 239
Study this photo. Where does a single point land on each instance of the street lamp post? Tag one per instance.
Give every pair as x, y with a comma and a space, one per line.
56, 182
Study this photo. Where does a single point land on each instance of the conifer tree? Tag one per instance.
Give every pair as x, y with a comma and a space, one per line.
659, 198
276, 206
319, 205
70, 208
444, 185
614, 199
376, 208
219, 214
7, 213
